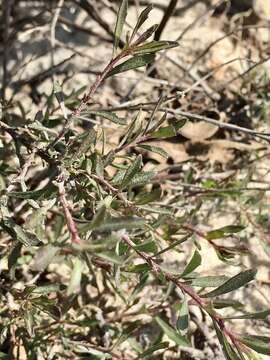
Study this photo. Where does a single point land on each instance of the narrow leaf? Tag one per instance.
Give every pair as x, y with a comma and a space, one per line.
132, 170
109, 116
27, 238
141, 19
146, 35
261, 344
226, 230
146, 198
155, 149
168, 131
114, 224
47, 289
171, 333
258, 315
154, 348
183, 316
234, 283
139, 179
155, 46
209, 281
44, 256
75, 279
121, 17
228, 351
111, 257
41, 194
193, 264
148, 247
98, 218
133, 63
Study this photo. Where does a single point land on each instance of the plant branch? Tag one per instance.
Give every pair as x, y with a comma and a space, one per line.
87, 97
202, 303
72, 228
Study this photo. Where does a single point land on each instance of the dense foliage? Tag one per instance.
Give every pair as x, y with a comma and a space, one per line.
101, 253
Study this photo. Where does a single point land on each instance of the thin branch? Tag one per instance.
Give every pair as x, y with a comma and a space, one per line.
192, 116
87, 97
202, 303
72, 228
167, 14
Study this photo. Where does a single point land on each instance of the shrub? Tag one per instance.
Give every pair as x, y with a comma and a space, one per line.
70, 197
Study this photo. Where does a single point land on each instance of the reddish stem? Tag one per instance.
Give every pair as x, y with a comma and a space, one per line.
68, 216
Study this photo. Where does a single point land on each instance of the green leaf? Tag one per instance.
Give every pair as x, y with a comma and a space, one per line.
140, 268
146, 198
14, 255
49, 288
75, 279
227, 349
148, 247
46, 305
135, 345
109, 116
209, 281
133, 63
41, 194
171, 333
44, 256
255, 356
131, 171
226, 230
27, 238
183, 316
29, 322
194, 262
141, 20
261, 344
111, 257
234, 283
155, 149
221, 304
146, 35
114, 224
257, 315
121, 17
154, 348
155, 46
98, 219
139, 179
168, 131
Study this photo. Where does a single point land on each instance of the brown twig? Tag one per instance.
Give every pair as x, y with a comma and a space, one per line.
167, 14
72, 228
87, 97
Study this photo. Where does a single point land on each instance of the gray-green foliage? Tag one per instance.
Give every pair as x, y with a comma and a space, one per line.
109, 197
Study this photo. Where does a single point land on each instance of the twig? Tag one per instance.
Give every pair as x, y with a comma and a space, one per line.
198, 18
220, 124
20, 177
209, 47
202, 303
242, 74
66, 207
167, 14
192, 116
87, 97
